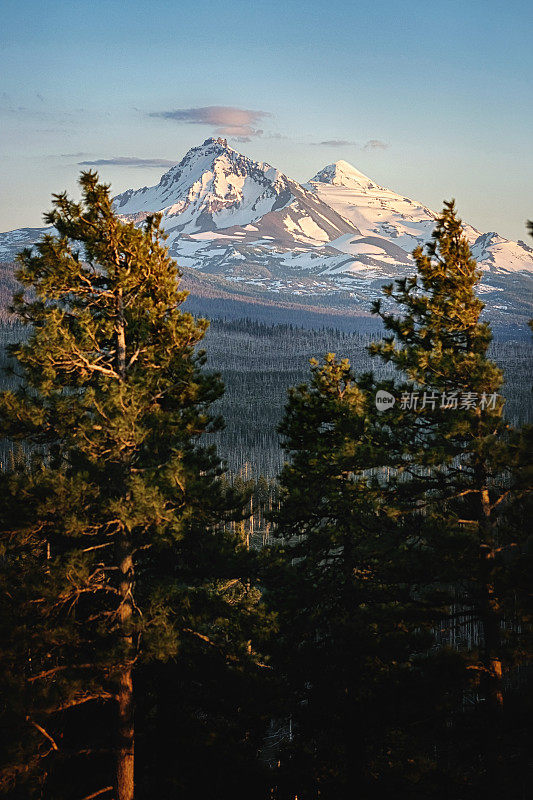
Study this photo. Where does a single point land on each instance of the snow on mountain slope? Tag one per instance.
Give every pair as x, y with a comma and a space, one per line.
341, 173
386, 218
214, 187
334, 240
12, 242
494, 252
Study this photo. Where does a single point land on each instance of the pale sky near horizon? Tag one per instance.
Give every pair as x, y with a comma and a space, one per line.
431, 99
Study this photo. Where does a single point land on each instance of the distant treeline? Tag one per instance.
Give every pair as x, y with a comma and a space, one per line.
260, 361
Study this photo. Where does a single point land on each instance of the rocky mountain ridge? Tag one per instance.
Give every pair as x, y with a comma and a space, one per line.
334, 240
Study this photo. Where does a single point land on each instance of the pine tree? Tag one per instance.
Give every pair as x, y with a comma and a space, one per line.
353, 639
115, 549
387, 520
457, 462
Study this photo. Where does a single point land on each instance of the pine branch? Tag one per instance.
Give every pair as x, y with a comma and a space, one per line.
54, 670
98, 793
79, 701
44, 733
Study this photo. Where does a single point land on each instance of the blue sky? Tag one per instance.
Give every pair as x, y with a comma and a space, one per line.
430, 99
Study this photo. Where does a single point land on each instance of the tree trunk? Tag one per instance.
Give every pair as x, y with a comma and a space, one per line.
126, 730
489, 616
120, 331
489, 609
490, 621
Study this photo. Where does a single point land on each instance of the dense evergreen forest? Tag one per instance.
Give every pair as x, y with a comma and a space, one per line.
259, 362
349, 620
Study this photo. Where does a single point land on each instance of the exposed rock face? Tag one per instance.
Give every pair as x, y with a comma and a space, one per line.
337, 238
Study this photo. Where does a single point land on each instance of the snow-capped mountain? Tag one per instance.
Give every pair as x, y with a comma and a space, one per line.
384, 218
214, 187
333, 241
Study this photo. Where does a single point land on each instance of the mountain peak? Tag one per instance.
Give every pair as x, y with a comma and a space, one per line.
212, 187
341, 173
216, 140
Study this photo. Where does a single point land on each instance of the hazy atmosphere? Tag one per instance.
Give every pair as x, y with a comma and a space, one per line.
266, 372
431, 100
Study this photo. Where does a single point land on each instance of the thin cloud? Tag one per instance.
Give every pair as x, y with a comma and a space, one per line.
127, 161
375, 144
372, 144
335, 143
80, 154
237, 123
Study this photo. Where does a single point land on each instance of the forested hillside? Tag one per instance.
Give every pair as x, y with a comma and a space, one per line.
259, 362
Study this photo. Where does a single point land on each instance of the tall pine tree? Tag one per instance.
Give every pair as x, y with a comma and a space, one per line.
115, 548
353, 636
457, 462
390, 522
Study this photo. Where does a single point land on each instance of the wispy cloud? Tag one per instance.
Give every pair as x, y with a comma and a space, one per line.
79, 154
372, 144
375, 144
335, 143
128, 161
237, 123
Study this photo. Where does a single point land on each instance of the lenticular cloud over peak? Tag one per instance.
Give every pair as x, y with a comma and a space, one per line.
240, 123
